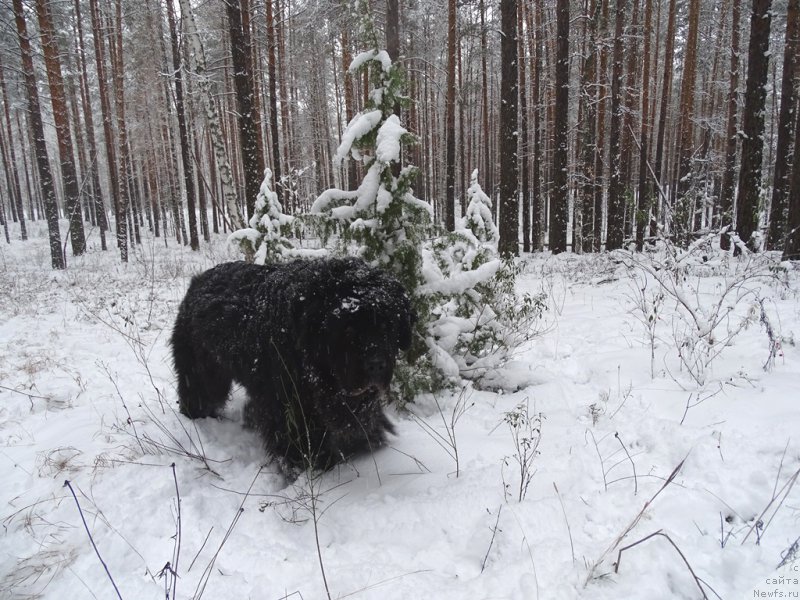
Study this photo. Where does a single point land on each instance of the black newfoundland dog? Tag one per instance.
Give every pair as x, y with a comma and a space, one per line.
313, 343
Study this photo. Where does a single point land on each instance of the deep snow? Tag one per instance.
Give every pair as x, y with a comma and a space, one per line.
88, 396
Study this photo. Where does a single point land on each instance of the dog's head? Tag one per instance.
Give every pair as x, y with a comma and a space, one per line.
365, 319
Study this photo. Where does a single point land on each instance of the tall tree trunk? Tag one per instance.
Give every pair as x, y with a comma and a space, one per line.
616, 202
588, 119
37, 129
183, 129
58, 99
450, 120
509, 169
99, 204
536, 62
791, 249
273, 102
559, 205
14, 189
729, 173
252, 160
684, 202
118, 85
666, 86
523, 126
783, 162
488, 171
747, 205
599, 163
645, 199
212, 116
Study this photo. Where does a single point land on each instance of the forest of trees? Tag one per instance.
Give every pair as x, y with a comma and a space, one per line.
594, 124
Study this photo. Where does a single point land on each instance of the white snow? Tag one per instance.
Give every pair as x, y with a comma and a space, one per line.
87, 394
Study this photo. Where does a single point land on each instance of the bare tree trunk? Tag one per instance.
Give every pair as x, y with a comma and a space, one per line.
523, 126
645, 199
616, 203
58, 99
183, 130
16, 190
588, 141
684, 202
753, 123
666, 86
35, 120
783, 163
273, 103
791, 249
559, 205
599, 163
509, 169
450, 120
729, 172
212, 116
99, 204
252, 160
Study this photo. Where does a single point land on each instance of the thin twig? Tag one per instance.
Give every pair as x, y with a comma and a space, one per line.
91, 539
566, 520
697, 580
633, 465
491, 542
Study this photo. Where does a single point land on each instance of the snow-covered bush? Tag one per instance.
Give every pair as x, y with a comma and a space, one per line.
269, 237
712, 297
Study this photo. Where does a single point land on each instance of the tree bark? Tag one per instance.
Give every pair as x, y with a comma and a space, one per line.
58, 99
273, 103
183, 129
729, 173
252, 160
198, 58
15, 188
99, 204
615, 232
783, 162
791, 249
753, 123
57, 259
509, 200
559, 205
645, 198
450, 120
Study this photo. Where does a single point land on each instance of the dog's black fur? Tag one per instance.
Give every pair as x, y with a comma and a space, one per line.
313, 343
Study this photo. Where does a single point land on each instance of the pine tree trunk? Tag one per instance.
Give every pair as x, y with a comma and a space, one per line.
616, 202
666, 85
183, 129
559, 205
99, 204
37, 129
588, 120
273, 104
58, 99
599, 163
523, 126
731, 135
450, 120
684, 202
791, 249
252, 160
747, 206
783, 166
509, 169
16, 190
645, 198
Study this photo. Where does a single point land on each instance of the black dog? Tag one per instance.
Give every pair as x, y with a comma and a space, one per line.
313, 343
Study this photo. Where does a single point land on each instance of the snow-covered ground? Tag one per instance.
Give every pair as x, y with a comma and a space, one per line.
87, 396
